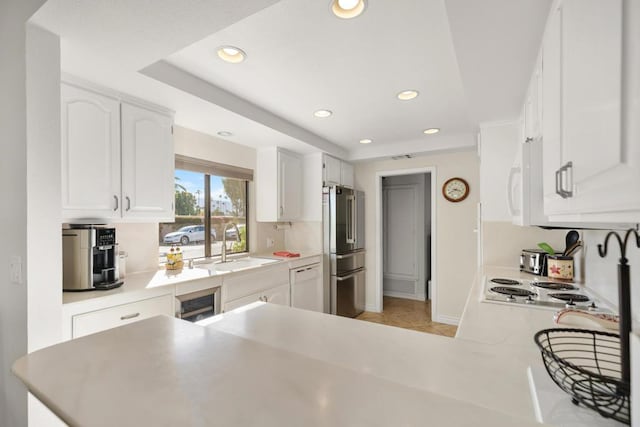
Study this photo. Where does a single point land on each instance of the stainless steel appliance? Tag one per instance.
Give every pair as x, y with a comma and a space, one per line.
89, 258
199, 305
344, 278
533, 261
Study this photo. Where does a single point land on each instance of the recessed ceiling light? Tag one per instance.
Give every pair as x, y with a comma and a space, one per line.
406, 95
431, 131
347, 9
322, 113
231, 54
366, 141
225, 133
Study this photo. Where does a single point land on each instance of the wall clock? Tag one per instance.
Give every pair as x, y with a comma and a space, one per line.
455, 189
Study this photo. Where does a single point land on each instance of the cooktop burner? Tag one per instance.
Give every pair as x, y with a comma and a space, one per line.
555, 286
516, 292
501, 281
570, 297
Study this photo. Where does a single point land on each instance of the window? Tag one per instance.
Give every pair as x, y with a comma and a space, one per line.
206, 190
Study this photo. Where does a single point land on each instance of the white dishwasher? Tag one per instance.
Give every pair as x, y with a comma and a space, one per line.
306, 287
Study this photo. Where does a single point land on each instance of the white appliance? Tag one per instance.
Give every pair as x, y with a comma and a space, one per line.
306, 287
525, 194
541, 292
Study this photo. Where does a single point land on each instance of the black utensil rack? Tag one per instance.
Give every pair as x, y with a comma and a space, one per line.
624, 302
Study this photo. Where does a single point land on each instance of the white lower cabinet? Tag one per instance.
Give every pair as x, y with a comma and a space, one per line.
111, 317
276, 295
268, 284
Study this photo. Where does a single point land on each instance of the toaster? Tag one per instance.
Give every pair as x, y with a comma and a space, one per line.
534, 261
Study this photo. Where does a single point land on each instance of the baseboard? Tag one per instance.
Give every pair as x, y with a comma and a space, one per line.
405, 296
448, 320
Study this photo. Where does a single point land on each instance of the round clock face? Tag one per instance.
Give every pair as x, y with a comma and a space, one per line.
455, 190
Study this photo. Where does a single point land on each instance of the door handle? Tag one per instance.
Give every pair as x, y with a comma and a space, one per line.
128, 203
513, 210
117, 203
355, 273
129, 316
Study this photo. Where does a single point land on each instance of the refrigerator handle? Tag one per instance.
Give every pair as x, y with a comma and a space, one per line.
351, 205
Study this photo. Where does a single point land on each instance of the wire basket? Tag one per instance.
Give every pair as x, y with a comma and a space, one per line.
586, 364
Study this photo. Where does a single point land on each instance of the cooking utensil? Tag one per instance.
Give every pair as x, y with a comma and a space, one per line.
547, 248
570, 239
573, 249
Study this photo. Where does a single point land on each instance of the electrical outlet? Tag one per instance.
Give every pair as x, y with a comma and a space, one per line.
270, 242
15, 270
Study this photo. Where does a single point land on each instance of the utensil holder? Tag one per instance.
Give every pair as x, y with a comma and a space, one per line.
560, 267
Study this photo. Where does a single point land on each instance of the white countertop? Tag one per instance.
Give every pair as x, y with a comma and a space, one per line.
152, 282
274, 365
166, 372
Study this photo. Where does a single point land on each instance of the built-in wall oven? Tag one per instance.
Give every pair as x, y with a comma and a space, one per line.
199, 305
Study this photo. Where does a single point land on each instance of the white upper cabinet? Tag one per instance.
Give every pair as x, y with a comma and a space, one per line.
347, 174
278, 185
90, 154
147, 170
289, 186
336, 172
117, 159
590, 120
331, 171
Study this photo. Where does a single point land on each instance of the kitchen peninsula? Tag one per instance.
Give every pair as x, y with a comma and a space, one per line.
292, 367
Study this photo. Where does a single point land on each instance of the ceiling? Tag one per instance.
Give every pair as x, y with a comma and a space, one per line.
470, 60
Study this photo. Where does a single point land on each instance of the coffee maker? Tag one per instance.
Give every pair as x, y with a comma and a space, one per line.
90, 258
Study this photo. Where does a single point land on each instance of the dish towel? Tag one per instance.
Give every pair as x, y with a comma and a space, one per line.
286, 254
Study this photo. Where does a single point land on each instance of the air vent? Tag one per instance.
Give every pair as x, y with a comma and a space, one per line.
404, 156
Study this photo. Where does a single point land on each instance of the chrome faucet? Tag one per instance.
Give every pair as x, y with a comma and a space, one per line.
223, 254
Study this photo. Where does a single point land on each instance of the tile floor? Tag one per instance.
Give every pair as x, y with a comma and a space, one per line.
408, 314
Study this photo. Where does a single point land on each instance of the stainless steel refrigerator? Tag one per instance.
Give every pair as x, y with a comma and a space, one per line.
344, 278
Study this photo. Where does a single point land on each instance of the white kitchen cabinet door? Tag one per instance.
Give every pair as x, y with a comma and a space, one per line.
90, 155
347, 175
240, 302
289, 186
278, 185
590, 147
278, 295
147, 164
553, 153
107, 318
331, 171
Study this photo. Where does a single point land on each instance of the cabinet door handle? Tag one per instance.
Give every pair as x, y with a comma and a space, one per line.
528, 139
129, 316
281, 211
117, 203
128, 203
565, 171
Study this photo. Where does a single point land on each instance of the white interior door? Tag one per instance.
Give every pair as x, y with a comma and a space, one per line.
404, 231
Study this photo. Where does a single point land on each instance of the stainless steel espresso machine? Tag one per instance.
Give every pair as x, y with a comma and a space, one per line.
90, 258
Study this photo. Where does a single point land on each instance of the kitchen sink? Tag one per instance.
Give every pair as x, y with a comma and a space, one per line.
237, 264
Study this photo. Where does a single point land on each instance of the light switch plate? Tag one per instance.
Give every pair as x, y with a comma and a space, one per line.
15, 270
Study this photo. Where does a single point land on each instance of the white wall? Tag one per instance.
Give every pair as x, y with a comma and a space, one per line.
601, 274
455, 248
13, 216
